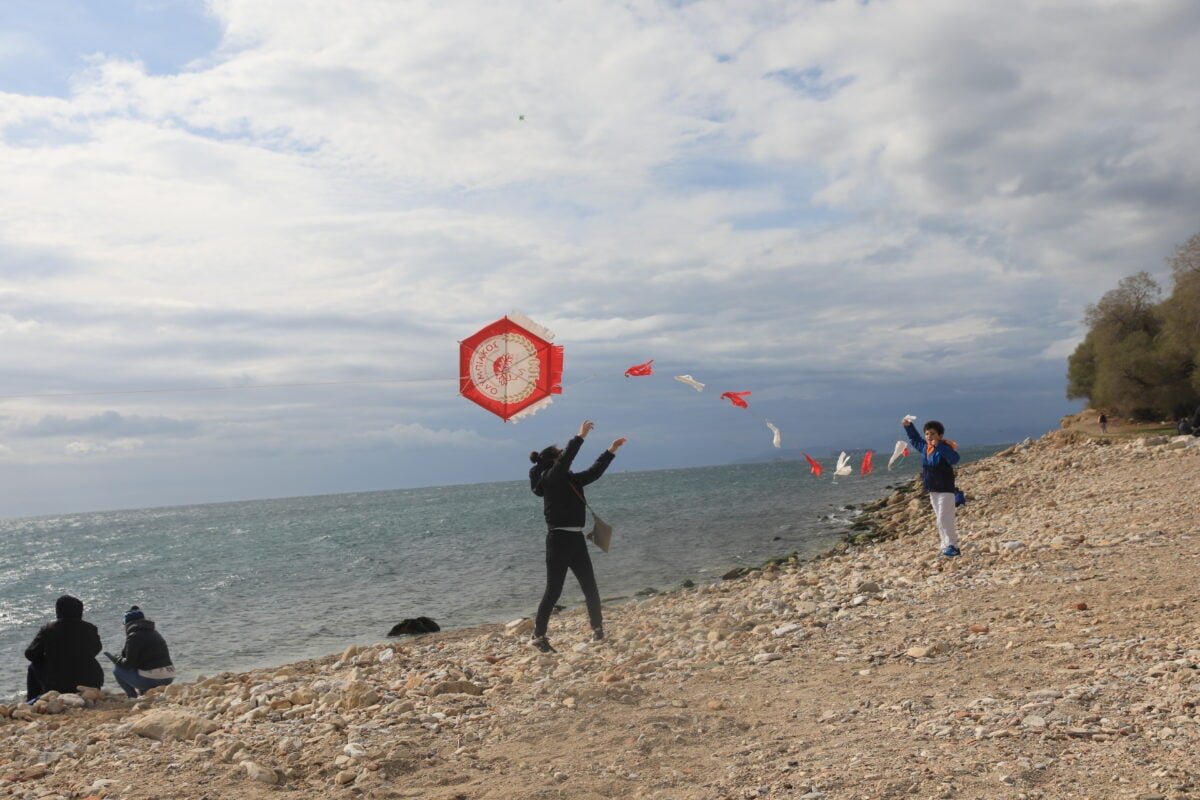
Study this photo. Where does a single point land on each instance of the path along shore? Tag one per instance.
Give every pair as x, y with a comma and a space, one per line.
1058, 657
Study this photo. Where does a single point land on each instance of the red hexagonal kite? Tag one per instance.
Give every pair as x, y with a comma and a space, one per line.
510, 368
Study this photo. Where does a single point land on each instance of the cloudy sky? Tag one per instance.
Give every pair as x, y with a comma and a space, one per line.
290, 213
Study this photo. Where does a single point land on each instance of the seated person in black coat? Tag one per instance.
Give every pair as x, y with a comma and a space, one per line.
62, 656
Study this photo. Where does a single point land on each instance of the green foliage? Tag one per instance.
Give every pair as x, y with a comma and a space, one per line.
1141, 357
1181, 311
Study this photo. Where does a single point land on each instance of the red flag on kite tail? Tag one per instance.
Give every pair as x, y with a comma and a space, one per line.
816, 468
868, 465
736, 398
638, 370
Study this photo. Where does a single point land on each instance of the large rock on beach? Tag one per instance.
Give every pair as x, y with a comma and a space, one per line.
165, 725
414, 626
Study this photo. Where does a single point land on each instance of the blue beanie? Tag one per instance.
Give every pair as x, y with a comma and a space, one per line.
133, 615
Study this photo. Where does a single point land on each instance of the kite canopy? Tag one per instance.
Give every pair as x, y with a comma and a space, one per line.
510, 368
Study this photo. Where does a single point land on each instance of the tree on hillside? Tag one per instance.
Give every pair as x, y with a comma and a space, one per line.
1181, 311
1140, 356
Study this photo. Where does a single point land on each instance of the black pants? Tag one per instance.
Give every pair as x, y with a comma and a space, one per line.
36, 682
567, 550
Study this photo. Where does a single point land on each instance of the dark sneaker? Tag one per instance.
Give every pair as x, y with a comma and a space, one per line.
598, 635
951, 552
543, 644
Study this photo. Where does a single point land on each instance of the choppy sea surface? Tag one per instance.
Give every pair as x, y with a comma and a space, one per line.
235, 586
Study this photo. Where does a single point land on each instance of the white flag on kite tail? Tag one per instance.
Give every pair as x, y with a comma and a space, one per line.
777, 441
843, 465
898, 453
692, 382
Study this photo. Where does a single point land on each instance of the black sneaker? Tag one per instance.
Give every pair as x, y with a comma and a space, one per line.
598, 634
543, 644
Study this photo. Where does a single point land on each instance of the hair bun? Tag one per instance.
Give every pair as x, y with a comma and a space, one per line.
534, 456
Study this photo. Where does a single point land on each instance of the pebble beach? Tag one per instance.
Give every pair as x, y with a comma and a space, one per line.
1059, 657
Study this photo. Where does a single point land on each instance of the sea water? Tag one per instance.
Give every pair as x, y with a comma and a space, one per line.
235, 586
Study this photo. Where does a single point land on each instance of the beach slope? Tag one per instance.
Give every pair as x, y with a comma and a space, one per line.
1058, 657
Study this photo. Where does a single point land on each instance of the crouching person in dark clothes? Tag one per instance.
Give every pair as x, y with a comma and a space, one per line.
62, 656
145, 661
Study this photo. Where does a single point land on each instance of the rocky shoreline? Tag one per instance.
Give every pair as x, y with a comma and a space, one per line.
1059, 657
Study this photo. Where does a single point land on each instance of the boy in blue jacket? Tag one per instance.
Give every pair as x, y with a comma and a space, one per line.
938, 457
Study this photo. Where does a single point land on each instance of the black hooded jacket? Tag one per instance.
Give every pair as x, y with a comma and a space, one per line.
144, 648
64, 651
562, 490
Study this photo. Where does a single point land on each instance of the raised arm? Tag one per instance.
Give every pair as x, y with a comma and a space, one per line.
563, 465
593, 472
913, 437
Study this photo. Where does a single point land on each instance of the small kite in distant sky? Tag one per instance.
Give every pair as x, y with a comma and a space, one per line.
843, 465
868, 465
777, 440
690, 381
900, 451
509, 367
736, 398
814, 467
638, 370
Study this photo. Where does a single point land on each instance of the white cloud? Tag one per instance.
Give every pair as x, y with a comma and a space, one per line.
85, 448
772, 187
415, 435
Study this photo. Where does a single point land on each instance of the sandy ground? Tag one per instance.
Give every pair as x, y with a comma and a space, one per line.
1058, 658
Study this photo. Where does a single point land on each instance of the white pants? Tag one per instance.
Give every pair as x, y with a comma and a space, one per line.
943, 510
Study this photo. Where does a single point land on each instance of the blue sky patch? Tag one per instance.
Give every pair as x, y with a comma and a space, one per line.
44, 43
811, 82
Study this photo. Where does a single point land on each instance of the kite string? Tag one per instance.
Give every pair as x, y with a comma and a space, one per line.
184, 390
581, 381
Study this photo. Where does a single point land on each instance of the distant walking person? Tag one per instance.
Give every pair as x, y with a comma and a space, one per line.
938, 457
561, 491
62, 656
145, 661
1103, 420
